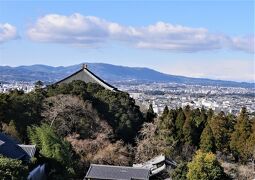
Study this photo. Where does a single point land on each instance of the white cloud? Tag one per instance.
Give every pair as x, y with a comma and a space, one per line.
91, 31
74, 29
7, 32
244, 43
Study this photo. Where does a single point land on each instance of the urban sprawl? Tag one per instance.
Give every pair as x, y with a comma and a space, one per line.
227, 99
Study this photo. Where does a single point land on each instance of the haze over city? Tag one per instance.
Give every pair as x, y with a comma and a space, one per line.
212, 39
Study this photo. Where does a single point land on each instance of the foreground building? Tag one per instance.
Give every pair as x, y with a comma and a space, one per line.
143, 171
11, 149
108, 172
84, 74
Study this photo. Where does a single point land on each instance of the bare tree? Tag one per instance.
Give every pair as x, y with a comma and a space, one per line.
148, 144
100, 150
69, 114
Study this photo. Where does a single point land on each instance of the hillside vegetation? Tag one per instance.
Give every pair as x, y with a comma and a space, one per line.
76, 124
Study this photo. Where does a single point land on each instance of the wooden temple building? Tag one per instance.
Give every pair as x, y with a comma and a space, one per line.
84, 74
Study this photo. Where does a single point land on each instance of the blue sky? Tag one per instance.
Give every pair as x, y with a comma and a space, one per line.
212, 39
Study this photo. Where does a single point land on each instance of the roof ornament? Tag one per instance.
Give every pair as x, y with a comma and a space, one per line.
84, 66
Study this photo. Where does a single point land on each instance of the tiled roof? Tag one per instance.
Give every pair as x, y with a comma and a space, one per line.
117, 172
29, 149
9, 148
87, 76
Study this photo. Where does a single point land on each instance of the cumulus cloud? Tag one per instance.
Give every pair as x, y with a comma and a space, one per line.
76, 29
245, 43
90, 31
7, 32
166, 36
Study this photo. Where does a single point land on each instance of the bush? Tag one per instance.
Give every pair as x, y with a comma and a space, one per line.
12, 169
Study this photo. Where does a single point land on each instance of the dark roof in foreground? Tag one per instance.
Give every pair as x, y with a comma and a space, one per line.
117, 172
9, 148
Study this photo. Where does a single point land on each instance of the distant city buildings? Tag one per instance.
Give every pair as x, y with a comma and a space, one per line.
227, 99
6, 87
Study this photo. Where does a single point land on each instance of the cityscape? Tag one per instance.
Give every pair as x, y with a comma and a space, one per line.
227, 99
173, 95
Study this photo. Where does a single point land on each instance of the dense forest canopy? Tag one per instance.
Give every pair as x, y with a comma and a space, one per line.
76, 124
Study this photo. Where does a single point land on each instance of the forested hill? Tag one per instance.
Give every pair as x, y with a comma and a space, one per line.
108, 72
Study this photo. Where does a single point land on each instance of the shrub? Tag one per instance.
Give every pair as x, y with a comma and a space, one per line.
12, 169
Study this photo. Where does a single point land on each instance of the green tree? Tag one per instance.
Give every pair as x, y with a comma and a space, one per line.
210, 114
180, 172
180, 119
56, 149
117, 108
12, 169
207, 142
240, 137
220, 127
251, 142
189, 129
22, 109
38, 84
165, 112
150, 115
205, 166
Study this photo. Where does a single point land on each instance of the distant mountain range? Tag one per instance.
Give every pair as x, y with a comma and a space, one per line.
110, 73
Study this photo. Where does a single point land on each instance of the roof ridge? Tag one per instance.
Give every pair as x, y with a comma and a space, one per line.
129, 167
94, 78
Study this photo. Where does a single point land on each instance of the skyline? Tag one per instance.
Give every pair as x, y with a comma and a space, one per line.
188, 38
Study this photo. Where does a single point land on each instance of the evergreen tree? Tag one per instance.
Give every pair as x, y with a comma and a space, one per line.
180, 172
220, 128
165, 112
54, 148
150, 115
207, 142
190, 130
198, 126
210, 114
38, 84
179, 122
240, 137
251, 141
197, 117
187, 126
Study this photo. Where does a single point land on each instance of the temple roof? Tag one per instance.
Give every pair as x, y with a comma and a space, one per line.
97, 171
11, 149
84, 74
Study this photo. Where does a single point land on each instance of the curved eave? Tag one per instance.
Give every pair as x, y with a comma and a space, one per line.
100, 81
